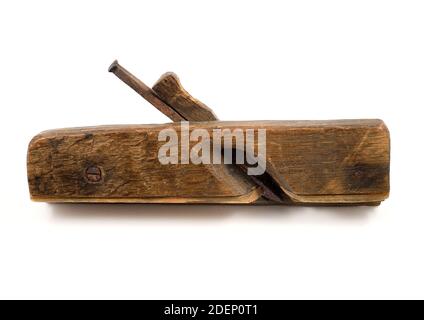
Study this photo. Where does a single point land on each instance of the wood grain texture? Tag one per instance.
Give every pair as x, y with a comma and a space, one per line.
169, 89
185, 107
314, 162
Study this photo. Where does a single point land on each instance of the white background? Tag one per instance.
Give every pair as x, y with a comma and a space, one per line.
248, 61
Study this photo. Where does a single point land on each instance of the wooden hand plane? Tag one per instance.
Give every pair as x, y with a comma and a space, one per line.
199, 159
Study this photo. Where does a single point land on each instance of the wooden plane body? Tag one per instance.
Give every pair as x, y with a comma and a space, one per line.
339, 162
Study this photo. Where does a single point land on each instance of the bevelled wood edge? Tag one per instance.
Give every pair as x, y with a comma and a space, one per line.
248, 198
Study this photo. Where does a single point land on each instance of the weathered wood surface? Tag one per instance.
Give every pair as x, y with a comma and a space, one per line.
169, 90
178, 105
348, 160
313, 162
